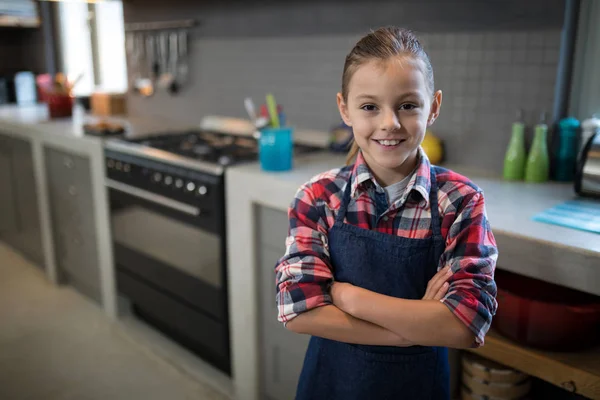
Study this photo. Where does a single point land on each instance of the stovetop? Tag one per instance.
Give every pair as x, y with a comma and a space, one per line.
212, 147
206, 146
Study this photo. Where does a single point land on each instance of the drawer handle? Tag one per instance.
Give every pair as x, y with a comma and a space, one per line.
569, 386
72, 190
68, 162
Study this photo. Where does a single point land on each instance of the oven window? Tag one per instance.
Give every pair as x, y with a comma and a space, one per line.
173, 243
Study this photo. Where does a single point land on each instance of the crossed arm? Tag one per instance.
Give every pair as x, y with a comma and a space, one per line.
456, 315
364, 317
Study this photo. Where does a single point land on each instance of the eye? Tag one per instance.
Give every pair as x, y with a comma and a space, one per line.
408, 106
369, 107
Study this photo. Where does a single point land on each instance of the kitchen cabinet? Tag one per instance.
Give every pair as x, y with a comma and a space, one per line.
282, 351
8, 220
19, 218
71, 205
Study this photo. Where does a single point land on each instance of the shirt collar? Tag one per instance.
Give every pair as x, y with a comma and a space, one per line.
420, 181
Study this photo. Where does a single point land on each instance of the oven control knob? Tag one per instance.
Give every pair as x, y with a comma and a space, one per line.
190, 186
202, 190
168, 180
110, 163
118, 165
178, 183
126, 167
157, 176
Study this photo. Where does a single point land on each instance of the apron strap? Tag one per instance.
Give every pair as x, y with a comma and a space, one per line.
433, 203
436, 221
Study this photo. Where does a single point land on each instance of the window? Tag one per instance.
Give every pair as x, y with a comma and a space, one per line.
79, 24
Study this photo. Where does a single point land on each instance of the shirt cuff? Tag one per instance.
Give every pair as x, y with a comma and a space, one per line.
468, 315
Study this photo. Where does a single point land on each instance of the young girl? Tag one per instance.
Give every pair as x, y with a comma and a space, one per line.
389, 260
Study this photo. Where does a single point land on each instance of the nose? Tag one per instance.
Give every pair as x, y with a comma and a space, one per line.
390, 121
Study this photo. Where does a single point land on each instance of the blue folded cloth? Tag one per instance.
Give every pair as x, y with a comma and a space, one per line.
578, 214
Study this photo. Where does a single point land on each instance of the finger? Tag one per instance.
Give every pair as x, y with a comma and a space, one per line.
439, 278
441, 291
436, 282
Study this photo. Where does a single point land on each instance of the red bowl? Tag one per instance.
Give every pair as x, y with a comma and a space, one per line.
546, 316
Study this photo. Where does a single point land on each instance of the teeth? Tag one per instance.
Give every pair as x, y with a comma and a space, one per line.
389, 142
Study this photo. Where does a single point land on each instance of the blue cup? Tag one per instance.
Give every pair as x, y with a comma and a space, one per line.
275, 149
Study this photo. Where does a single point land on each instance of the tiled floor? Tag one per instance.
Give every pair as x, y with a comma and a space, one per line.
55, 345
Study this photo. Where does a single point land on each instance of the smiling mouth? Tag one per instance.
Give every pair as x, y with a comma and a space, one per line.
390, 143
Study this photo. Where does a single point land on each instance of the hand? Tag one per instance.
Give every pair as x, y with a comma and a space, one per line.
341, 294
438, 286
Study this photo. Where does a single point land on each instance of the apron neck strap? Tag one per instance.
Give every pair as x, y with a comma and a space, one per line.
433, 204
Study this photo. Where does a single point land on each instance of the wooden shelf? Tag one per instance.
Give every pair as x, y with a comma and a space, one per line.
578, 372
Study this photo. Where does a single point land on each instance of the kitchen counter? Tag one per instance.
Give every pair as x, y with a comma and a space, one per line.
555, 254
29, 120
510, 205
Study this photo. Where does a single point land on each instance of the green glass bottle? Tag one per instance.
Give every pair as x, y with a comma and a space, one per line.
514, 159
537, 168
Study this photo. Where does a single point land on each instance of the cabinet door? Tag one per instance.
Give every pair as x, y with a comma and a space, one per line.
282, 351
73, 224
29, 238
8, 220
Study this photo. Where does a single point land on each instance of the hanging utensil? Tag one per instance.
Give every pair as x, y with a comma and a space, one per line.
174, 58
146, 85
130, 55
182, 71
165, 77
139, 69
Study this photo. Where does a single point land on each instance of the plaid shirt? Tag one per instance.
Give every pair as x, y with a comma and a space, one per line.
304, 273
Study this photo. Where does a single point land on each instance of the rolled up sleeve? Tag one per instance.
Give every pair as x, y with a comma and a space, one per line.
303, 274
472, 253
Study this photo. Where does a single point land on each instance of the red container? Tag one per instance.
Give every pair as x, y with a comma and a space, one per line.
59, 105
544, 315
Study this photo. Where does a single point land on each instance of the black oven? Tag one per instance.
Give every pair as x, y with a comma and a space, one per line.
168, 229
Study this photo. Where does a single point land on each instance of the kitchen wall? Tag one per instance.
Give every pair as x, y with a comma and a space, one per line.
490, 58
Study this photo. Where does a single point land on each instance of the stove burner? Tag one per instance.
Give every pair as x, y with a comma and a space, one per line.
213, 147
202, 150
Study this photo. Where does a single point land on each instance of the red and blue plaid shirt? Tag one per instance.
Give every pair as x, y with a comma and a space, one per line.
304, 273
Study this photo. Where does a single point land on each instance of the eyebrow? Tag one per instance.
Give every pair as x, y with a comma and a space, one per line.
372, 97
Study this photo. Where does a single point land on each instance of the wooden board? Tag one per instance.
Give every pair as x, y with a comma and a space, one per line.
576, 372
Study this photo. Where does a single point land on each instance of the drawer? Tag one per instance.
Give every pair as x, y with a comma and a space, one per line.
77, 255
197, 330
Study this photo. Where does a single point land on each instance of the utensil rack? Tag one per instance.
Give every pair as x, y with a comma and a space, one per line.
159, 26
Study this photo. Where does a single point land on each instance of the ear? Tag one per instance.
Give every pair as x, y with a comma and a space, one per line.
436, 105
343, 107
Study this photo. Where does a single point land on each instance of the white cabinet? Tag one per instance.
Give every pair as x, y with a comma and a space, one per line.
19, 214
72, 205
281, 351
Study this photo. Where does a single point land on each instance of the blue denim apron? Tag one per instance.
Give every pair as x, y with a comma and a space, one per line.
394, 266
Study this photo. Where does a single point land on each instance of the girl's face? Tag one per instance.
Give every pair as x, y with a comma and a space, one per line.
389, 109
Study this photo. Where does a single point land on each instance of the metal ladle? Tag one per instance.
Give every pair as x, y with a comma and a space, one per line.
147, 84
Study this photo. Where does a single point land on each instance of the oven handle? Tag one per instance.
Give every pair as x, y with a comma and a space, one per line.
152, 197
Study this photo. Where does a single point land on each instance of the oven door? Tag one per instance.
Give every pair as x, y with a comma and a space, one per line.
171, 265
158, 240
